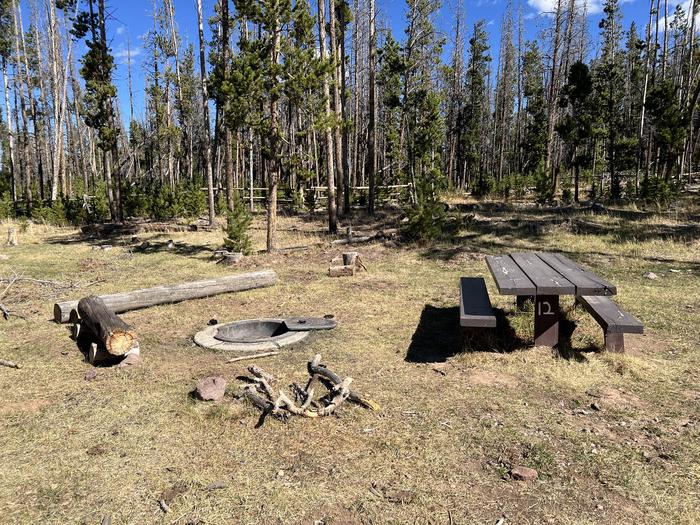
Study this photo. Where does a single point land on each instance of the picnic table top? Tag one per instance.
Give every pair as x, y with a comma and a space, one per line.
544, 273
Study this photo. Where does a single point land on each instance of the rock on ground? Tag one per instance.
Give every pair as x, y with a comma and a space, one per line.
210, 389
651, 275
523, 474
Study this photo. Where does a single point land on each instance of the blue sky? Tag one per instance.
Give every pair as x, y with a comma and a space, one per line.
131, 19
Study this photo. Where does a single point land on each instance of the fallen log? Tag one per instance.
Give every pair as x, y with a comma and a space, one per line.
116, 336
126, 301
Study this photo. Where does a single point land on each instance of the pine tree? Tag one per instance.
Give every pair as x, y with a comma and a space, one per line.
475, 110
534, 143
97, 68
576, 127
609, 83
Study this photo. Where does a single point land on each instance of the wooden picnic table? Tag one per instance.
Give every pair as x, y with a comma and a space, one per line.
544, 276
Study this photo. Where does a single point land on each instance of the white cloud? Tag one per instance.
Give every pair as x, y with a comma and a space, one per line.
121, 29
122, 54
547, 7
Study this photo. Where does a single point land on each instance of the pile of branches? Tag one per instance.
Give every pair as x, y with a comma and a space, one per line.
303, 402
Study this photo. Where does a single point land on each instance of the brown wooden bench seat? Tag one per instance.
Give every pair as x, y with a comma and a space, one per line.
614, 321
475, 309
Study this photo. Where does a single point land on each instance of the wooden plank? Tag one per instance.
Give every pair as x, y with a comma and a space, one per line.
586, 283
610, 316
510, 279
547, 280
475, 309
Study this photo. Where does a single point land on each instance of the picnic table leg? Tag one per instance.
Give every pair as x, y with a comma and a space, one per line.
520, 301
614, 342
546, 320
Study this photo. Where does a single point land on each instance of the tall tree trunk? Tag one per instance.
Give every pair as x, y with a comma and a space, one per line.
10, 131
332, 216
206, 135
372, 129
344, 111
553, 86
273, 140
338, 144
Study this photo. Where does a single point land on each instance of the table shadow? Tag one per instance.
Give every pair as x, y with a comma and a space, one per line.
439, 336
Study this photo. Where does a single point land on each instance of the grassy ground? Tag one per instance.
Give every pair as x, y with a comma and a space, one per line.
452, 422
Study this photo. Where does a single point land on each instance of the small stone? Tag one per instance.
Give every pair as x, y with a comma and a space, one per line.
3, 257
651, 275
90, 375
523, 474
673, 270
280, 473
595, 406
220, 484
210, 389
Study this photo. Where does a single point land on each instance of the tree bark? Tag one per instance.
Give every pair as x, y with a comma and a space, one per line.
117, 336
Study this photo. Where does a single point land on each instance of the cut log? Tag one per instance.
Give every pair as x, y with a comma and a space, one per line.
340, 271
349, 258
117, 336
124, 302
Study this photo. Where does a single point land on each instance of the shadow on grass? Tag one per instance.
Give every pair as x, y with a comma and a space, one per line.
439, 336
178, 248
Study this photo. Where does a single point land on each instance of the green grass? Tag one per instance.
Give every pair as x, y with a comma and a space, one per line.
452, 422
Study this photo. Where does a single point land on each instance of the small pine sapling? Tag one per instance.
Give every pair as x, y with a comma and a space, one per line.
237, 222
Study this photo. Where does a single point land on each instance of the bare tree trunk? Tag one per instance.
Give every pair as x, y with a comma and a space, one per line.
344, 111
372, 142
640, 136
553, 86
332, 216
205, 110
338, 146
274, 164
10, 131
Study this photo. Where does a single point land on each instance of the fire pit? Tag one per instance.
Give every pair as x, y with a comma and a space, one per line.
256, 335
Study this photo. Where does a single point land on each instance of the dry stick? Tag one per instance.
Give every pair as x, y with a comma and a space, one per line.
281, 400
251, 356
9, 364
315, 368
6, 313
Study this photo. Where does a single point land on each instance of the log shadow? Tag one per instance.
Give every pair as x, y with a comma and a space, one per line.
85, 340
439, 336
178, 248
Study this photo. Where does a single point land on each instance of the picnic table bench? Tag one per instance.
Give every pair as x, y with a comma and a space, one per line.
543, 277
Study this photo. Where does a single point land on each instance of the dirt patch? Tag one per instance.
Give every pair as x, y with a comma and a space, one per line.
335, 514
488, 378
616, 398
29, 406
